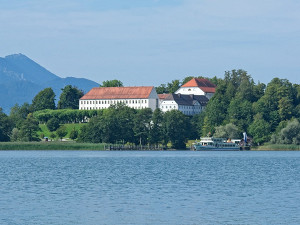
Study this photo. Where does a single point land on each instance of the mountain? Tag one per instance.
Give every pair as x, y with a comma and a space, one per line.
21, 79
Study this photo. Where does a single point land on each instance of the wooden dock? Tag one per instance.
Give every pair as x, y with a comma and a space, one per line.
116, 147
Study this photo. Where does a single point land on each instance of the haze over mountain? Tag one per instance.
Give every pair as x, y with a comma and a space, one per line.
21, 79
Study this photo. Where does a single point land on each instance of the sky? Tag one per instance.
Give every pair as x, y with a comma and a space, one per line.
151, 42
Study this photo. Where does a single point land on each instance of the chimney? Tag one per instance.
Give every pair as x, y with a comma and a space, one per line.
192, 96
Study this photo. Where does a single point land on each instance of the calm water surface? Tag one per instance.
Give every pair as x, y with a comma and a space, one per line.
136, 188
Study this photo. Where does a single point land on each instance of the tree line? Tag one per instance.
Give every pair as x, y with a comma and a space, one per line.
268, 113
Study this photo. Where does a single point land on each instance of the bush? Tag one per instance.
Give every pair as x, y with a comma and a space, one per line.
288, 135
61, 132
73, 134
53, 124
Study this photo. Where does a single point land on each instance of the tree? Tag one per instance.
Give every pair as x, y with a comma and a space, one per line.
73, 134
240, 112
142, 125
69, 98
176, 128
277, 103
29, 128
15, 134
112, 83
44, 100
289, 134
173, 86
52, 135
228, 131
61, 132
114, 125
6, 126
53, 124
156, 132
19, 113
260, 130
162, 89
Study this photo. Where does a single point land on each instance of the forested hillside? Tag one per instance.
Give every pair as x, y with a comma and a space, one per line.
268, 113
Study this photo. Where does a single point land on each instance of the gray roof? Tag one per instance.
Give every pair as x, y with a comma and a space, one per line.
188, 100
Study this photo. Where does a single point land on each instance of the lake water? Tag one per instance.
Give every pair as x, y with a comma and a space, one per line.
136, 188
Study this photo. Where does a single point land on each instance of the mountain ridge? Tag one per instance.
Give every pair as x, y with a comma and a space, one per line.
21, 79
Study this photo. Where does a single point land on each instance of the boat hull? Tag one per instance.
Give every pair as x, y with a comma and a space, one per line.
208, 148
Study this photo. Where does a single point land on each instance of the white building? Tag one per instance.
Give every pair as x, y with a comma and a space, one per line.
198, 86
134, 97
187, 104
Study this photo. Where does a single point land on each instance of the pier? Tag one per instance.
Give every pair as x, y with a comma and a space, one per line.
118, 147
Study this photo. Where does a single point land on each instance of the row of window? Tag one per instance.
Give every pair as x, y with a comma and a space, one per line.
113, 102
181, 107
90, 108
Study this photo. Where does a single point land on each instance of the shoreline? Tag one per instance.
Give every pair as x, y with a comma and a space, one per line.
54, 145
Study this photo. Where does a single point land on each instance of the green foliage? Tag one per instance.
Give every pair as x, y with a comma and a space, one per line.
162, 89
73, 134
112, 83
53, 124
61, 132
29, 129
6, 126
289, 134
260, 130
175, 127
173, 86
44, 100
240, 112
156, 133
142, 125
114, 125
19, 113
69, 98
52, 135
228, 131
15, 135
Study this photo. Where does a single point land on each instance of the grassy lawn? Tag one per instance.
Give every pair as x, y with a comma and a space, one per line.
69, 127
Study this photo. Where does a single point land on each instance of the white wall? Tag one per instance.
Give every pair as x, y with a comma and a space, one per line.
190, 91
168, 105
105, 103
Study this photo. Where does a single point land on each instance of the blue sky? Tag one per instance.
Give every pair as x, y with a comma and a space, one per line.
150, 42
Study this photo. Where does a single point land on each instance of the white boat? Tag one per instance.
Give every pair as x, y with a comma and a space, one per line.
217, 144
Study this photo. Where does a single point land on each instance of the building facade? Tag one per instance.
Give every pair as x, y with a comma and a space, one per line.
187, 104
134, 97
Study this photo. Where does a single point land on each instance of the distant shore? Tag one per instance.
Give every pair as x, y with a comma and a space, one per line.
57, 145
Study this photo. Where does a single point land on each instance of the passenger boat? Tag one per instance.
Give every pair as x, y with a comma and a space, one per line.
217, 144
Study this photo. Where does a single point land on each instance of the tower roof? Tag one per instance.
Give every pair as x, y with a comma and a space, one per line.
203, 84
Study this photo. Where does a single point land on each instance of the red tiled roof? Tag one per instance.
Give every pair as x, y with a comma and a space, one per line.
204, 84
118, 93
163, 96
